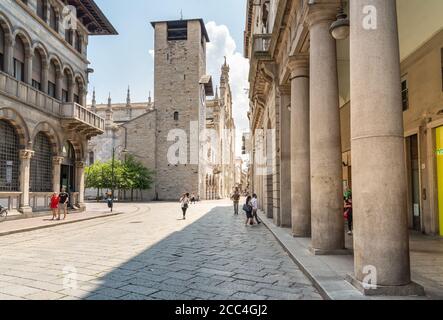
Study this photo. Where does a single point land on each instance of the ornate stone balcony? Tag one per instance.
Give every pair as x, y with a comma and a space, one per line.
260, 46
81, 120
26, 94
74, 116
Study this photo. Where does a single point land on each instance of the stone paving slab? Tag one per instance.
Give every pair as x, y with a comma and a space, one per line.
210, 256
328, 273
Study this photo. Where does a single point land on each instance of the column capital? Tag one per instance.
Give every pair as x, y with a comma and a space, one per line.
299, 66
323, 11
26, 154
9, 40
57, 160
284, 89
80, 164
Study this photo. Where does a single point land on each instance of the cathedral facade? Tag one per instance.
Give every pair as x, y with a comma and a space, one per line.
187, 139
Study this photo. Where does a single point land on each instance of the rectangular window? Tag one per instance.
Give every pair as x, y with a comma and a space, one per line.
64, 96
36, 84
51, 89
2, 62
19, 70
177, 30
405, 94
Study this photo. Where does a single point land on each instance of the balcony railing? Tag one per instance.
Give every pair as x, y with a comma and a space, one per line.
261, 45
80, 119
28, 95
74, 115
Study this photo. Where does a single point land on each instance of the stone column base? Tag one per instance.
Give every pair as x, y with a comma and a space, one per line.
410, 290
321, 252
25, 210
82, 207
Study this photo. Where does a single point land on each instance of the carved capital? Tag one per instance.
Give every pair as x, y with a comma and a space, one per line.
57, 161
26, 154
323, 11
80, 164
299, 66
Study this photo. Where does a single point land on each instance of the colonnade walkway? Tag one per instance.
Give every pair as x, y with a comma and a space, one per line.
329, 272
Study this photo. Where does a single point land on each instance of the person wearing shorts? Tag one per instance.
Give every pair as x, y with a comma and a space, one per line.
63, 204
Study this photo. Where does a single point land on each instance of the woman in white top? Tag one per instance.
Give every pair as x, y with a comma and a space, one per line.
184, 201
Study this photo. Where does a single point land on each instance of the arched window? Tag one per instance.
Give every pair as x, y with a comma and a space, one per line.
77, 92
176, 116
53, 19
2, 49
41, 9
19, 59
65, 86
68, 168
9, 158
52, 80
37, 70
78, 42
41, 165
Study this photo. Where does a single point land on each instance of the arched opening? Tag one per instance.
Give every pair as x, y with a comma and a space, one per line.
41, 164
78, 42
176, 116
9, 158
77, 91
53, 19
67, 80
67, 174
91, 158
52, 79
37, 63
19, 59
2, 49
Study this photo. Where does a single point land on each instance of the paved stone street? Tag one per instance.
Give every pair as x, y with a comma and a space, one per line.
150, 253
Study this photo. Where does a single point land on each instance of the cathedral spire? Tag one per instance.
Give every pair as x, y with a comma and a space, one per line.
109, 112
128, 97
94, 102
216, 93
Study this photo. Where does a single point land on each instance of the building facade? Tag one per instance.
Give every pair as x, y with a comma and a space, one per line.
173, 136
317, 133
44, 122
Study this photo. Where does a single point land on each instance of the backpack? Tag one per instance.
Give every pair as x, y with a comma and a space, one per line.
247, 208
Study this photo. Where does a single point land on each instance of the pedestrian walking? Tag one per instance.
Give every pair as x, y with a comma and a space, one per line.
193, 199
184, 202
63, 203
254, 203
55, 200
247, 207
235, 197
348, 213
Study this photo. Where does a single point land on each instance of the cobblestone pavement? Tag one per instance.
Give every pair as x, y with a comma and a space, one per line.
150, 253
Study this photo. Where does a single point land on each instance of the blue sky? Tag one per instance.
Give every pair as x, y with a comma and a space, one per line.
119, 61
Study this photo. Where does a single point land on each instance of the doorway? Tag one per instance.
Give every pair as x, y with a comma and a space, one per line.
67, 170
414, 181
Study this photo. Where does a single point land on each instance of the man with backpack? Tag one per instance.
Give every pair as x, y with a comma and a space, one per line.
236, 199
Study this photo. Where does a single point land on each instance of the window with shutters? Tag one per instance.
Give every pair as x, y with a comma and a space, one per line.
53, 19
52, 79
177, 30
19, 60
405, 93
37, 70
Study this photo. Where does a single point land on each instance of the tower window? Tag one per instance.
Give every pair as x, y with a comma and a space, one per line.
177, 30
176, 116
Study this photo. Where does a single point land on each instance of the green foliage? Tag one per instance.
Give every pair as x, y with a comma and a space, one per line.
128, 175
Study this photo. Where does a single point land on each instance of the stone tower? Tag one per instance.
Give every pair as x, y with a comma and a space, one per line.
180, 64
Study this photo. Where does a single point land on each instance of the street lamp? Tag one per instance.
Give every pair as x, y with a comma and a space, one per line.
340, 28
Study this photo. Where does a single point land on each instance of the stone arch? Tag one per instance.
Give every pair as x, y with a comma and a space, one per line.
24, 36
41, 48
78, 149
50, 133
57, 62
78, 78
17, 121
6, 25
68, 69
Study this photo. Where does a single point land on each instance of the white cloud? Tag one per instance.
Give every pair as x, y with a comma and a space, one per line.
223, 44
152, 53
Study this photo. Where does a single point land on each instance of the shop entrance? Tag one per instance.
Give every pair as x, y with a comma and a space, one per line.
414, 181
439, 153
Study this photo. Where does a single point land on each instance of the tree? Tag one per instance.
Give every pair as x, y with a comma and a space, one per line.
129, 175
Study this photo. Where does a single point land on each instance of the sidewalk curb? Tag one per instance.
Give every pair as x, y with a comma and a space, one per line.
303, 269
7, 233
